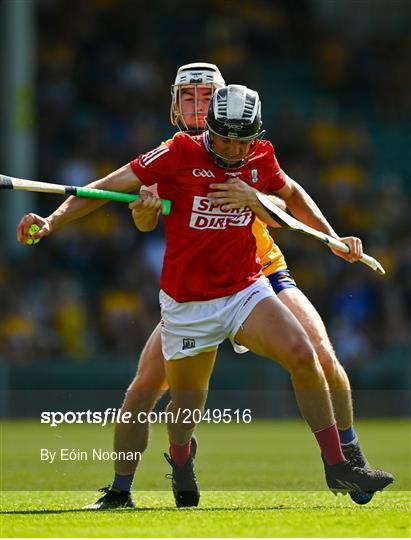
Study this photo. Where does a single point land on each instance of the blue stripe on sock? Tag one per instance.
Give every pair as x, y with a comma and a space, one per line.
347, 436
123, 482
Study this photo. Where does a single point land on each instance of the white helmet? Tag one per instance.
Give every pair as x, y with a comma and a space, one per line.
197, 74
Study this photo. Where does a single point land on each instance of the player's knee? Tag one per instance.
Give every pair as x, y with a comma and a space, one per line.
142, 396
303, 358
327, 358
152, 377
147, 383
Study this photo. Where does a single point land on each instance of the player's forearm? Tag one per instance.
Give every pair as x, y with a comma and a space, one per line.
278, 202
303, 207
71, 209
123, 180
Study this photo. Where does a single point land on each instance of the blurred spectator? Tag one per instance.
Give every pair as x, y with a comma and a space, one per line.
352, 345
17, 338
122, 313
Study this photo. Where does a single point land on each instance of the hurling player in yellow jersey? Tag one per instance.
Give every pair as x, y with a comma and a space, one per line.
191, 95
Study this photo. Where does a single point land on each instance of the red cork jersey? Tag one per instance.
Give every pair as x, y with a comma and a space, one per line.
210, 252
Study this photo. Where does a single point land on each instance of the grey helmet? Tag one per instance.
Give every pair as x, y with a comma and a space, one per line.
197, 74
234, 113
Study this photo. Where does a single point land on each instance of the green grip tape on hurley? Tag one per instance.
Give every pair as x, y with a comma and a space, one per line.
118, 197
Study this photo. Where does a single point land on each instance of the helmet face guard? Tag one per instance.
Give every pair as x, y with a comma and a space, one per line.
223, 161
192, 76
234, 113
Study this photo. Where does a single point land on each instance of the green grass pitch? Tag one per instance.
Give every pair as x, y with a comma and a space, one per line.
262, 479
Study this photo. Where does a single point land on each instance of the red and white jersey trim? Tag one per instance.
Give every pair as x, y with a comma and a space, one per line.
149, 157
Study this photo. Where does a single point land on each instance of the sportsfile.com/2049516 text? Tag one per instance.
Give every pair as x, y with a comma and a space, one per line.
116, 416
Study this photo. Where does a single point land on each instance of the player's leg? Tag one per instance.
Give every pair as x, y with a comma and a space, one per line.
146, 389
271, 330
334, 372
190, 335
188, 380
286, 289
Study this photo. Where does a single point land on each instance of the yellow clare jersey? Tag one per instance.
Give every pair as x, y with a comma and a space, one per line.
270, 255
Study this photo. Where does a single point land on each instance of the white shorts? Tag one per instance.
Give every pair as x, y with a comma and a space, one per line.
190, 328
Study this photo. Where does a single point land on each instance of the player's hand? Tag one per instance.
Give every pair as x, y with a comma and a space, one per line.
145, 211
147, 204
26, 221
355, 246
233, 193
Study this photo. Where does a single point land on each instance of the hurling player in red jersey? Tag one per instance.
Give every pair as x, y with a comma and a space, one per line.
203, 301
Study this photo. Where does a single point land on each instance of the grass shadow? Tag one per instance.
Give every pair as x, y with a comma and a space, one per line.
165, 509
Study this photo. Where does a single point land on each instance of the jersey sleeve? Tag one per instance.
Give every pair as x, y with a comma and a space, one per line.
157, 165
277, 180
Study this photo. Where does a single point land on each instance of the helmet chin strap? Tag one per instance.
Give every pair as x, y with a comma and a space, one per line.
221, 161
186, 129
